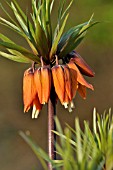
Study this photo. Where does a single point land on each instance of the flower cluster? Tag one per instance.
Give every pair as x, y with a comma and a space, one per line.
66, 78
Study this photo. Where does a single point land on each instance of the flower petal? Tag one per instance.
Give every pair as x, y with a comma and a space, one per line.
74, 82
29, 90
38, 83
46, 83
67, 78
80, 78
58, 80
82, 91
83, 66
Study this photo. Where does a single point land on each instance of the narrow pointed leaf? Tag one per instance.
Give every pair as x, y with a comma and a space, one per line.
67, 35
11, 25
41, 40
20, 10
48, 23
19, 18
18, 58
66, 10
21, 50
37, 150
55, 43
74, 40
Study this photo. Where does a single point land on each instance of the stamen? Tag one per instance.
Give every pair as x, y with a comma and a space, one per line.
36, 114
33, 111
65, 105
71, 106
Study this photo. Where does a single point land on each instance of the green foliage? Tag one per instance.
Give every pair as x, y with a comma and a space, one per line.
37, 31
80, 150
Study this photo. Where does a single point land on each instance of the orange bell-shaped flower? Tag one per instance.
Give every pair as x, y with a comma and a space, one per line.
29, 90
58, 81
42, 78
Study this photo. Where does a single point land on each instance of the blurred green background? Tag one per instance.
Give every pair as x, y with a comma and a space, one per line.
96, 49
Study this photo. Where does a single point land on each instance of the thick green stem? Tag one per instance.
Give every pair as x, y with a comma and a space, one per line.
51, 126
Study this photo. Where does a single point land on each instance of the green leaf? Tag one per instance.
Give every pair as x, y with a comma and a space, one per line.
9, 16
73, 40
4, 38
18, 58
11, 25
48, 23
20, 10
79, 144
41, 40
37, 150
55, 43
19, 18
67, 35
20, 49
51, 6
59, 129
66, 10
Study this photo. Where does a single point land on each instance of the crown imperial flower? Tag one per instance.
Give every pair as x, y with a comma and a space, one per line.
47, 47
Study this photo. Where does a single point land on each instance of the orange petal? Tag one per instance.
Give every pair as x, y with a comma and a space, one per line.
46, 83
36, 108
67, 78
80, 78
58, 80
82, 91
29, 90
74, 82
38, 84
83, 66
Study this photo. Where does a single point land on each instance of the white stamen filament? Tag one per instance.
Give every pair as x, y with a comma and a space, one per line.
36, 114
33, 111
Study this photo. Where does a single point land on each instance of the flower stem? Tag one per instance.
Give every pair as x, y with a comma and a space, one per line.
51, 126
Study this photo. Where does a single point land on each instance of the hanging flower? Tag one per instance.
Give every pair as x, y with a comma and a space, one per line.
30, 96
47, 47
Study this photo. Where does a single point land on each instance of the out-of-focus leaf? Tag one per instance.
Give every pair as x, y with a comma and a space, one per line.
79, 145
59, 129
37, 150
64, 137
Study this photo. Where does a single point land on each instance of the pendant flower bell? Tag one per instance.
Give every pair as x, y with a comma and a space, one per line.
47, 47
